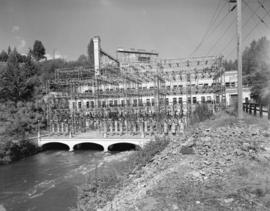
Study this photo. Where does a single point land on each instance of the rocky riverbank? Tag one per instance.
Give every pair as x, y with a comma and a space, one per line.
219, 164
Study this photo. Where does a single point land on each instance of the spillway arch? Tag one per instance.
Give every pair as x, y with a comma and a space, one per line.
89, 146
55, 145
100, 145
123, 146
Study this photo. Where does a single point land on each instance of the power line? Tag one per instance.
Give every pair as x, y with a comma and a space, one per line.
261, 19
222, 35
211, 23
245, 24
249, 33
262, 6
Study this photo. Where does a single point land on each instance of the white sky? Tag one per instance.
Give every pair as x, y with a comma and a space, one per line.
172, 27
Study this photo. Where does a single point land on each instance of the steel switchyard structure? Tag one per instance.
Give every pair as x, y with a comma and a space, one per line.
136, 93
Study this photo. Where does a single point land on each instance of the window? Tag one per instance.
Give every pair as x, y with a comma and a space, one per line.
227, 84
194, 100
180, 100
87, 104
148, 102
188, 77
135, 102
174, 101
111, 103
128, 102
217, 99
153, 102
167, 101
168, 87
104, 104
208, 98
233, 84
92, 104
202, 99
122, 103
143, 59
140, 102
115, 102
189, 100
79, 104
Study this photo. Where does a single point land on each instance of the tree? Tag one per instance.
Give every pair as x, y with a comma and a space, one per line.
20, 89
18, 82
38, 50
9, 50
3, 56
256, 69
82, 59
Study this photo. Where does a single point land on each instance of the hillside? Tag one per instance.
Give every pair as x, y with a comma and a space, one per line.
218, 165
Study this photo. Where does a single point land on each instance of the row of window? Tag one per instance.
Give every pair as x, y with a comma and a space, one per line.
228, 84
139, 102
145, 88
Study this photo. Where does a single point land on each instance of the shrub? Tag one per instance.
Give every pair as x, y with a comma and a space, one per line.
105, 182
201, 113
12, 151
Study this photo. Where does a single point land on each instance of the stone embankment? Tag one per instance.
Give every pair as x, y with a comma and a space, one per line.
218, 165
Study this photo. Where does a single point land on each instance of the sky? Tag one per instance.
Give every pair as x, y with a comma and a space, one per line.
174, 28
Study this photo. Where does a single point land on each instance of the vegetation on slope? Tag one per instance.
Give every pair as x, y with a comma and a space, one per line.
22, 107
229, 170
106, 181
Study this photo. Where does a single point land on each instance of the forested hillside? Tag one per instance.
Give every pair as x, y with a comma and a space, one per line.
22, 90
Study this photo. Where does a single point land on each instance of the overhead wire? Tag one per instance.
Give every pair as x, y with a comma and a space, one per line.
245, 24
219, 38
262, 6
224, 33
212, 22
249, 33
261, 19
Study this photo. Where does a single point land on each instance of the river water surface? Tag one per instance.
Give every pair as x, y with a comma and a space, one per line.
46, 181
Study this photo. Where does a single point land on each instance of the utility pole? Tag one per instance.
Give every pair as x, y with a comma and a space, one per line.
239, 59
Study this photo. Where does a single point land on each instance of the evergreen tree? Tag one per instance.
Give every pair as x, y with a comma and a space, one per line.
8, 50
256, 69
3, 56
18, 82
38, 50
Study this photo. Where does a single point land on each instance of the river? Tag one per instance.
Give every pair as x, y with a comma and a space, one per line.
46, 181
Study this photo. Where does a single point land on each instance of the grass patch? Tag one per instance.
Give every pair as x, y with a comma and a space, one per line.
106, 181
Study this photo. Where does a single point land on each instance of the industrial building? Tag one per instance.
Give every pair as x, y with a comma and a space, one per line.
137, 84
